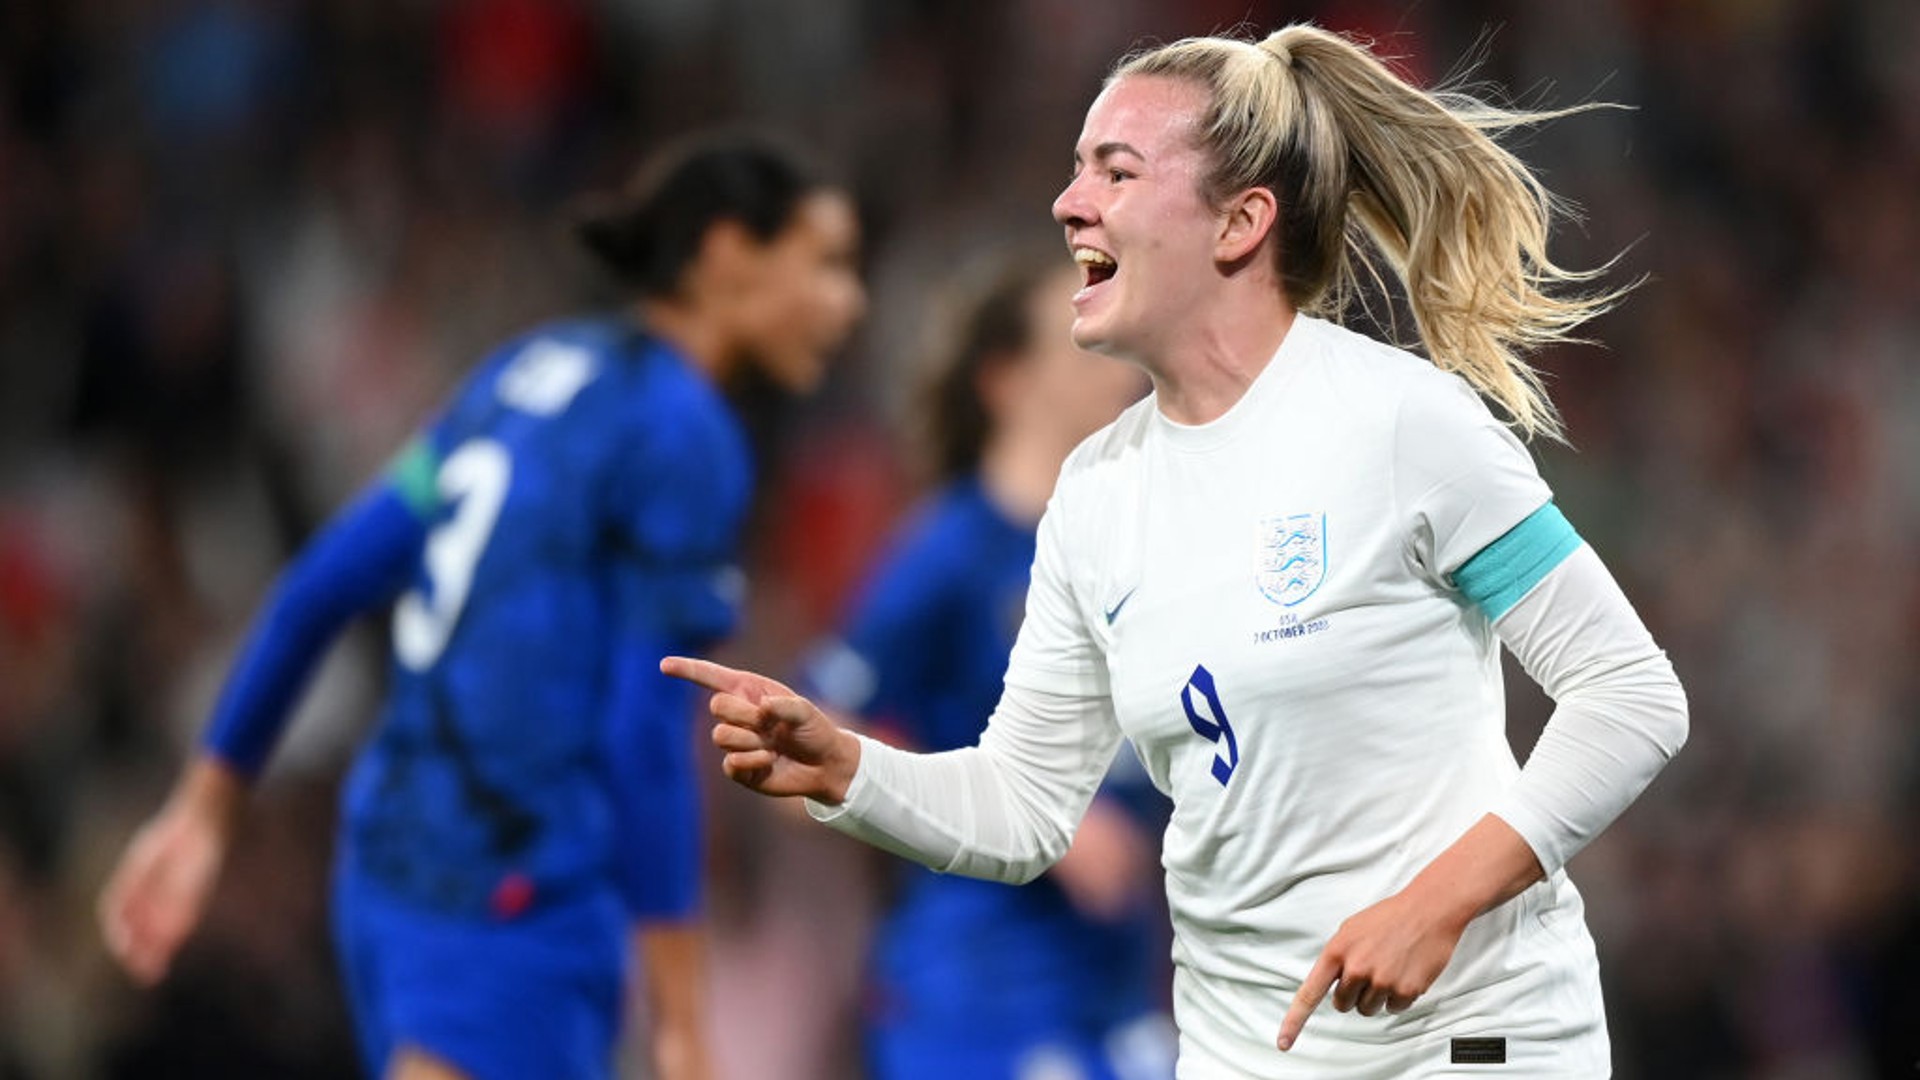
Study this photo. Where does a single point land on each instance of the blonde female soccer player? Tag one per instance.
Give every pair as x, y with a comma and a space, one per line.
1287, 576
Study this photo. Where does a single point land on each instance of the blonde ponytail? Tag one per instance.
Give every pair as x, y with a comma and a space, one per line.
1360, 159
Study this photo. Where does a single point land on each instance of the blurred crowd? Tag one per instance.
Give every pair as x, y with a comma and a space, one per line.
245, 245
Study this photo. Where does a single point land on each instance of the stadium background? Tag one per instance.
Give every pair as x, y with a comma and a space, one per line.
245, 244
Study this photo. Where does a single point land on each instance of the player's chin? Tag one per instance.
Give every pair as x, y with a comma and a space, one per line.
796, 370
1091, 332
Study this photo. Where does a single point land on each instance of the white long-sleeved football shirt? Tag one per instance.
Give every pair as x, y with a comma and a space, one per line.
1295, 612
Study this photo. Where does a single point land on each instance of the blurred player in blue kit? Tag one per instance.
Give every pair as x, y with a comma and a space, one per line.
528, 796
1063, 978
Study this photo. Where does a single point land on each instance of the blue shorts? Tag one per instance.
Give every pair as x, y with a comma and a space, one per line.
535, 996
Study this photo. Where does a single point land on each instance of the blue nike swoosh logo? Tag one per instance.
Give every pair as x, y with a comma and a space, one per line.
1114, 611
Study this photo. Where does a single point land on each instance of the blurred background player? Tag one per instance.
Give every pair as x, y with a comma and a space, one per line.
1064, 978
571, 516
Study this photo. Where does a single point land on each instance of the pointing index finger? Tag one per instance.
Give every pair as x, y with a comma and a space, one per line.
705, 673
1319, 981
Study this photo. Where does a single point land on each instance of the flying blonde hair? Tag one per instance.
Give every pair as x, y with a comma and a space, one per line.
1358, 157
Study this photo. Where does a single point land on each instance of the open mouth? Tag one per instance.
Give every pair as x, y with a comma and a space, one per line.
1096, 266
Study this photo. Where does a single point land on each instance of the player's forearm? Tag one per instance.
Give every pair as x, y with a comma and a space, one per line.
211, 791
680, 1053
1620, 713
947, 811
673, 956
1489, 865
1004, 810
356, 563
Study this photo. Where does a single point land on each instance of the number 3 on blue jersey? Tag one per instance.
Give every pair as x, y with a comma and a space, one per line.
1214, 727
474, 478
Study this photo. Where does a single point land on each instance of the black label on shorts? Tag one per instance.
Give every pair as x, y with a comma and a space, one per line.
1479, 1051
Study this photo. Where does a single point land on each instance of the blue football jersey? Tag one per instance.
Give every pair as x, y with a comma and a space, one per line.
583, 493
922, 657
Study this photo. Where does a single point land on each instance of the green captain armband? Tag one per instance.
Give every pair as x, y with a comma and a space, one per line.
415, 474
1504, 571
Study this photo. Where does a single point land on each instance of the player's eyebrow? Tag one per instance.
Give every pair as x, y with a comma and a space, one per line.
1108, 149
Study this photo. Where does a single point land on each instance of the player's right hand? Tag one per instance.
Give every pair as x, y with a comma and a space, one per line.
161, 885
775, 741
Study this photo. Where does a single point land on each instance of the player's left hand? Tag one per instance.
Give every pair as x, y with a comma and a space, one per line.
160, 888
1391, 953
1385, 957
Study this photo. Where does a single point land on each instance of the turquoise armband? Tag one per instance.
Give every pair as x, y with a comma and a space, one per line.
1504, 571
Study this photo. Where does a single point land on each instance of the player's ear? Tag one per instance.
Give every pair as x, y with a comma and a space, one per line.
728, 251
1244, 224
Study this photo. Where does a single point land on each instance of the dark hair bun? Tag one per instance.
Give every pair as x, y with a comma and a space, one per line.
647, 234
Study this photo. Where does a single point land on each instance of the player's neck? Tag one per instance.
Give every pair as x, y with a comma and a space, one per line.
691, 333
1018, 475
1216, 361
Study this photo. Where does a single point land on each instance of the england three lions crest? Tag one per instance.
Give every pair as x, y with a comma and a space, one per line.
1291, 560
